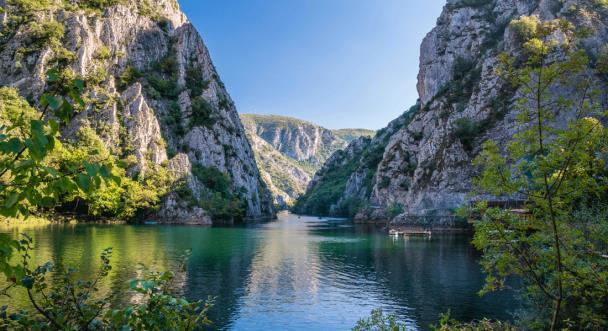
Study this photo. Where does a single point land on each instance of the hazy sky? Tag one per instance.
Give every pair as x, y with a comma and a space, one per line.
338, 63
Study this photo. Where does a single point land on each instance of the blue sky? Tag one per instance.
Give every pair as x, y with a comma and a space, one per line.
338, 63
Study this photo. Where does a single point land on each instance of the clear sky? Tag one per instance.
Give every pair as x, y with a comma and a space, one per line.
338, 63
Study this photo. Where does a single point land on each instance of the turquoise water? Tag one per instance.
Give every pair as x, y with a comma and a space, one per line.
296, 273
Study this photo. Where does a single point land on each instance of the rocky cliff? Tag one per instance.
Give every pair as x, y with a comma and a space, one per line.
426, 166
153, 89
289, 151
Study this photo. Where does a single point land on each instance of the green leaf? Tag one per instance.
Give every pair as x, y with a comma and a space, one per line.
27, 282
12, 200
83, 182
91, 169
52, 75
53, 102
12, 146
79, 84
147, 284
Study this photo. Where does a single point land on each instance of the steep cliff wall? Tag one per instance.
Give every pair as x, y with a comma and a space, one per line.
426, 165
464, 102
154, 90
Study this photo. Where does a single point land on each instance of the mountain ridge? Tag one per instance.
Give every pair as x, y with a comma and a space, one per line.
289, 151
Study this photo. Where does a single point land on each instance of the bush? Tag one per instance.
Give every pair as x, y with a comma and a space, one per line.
219, 201
202, 113
212, 178
103, 53
28, 7
395, 209
467, 131
472, 3
71, 304
446, 323
122, 198
194, 81
162, 77
128, 77
173, 120
98, 5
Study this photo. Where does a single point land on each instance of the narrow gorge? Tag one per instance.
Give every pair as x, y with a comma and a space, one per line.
289, 151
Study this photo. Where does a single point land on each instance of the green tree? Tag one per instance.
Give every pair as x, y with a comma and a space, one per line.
29, 141
557, 164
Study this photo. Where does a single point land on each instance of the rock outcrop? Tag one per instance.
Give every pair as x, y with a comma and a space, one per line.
157, 95
426, 166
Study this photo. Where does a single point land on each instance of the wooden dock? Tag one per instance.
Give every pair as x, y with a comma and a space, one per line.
410, 232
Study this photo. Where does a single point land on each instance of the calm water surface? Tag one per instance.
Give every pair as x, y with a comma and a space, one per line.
293, 274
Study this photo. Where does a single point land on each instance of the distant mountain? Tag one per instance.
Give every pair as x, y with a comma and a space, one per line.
289, 151
352, 134
342, 186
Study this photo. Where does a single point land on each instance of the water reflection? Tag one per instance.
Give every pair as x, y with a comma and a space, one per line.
295, 273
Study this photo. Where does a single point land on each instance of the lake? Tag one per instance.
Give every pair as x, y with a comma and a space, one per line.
294, 273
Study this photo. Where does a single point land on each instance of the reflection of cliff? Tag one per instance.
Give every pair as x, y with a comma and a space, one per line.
285, 264
218, 268
428, 275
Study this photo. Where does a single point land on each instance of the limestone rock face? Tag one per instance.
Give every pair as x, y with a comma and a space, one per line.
285, 177
300, 140
425, 169
158, 94
142, 127
289, 151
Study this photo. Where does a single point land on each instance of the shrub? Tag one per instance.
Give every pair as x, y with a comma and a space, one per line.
446, 323
28, 7
395, 209
201, 113
219, 201
223, 102
194, 80
467, 131
46, 33
163, 77
61, 302
473, 3
103, 53
128, 77
212, 178
173, 120
98, 6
